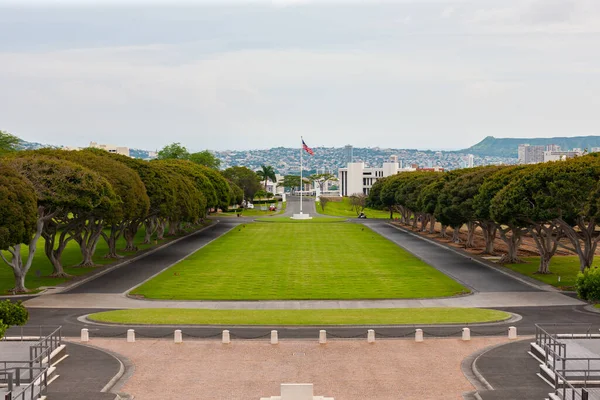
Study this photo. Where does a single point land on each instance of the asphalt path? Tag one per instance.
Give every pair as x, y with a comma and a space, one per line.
124, 278
469, 272
72, 325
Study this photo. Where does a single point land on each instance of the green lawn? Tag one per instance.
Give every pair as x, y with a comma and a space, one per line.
377, 316
565, 267
41, 267
262, 261
344, 209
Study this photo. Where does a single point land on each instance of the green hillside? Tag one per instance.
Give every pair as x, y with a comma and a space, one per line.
507, 147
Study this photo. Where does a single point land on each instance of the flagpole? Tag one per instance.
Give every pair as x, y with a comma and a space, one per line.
301, 182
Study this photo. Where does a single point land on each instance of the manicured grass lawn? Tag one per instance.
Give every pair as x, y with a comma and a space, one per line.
41, 267
597, 305
565, 267
377, 316
344, 209
262, 261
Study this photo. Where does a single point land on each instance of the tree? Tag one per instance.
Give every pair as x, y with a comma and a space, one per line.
244, 178
266, 173
12, 314
291, 181
66, 193
18, 216
358, 201
8, 142
373, 199
196, 173
428, 199
132, 206
173, 151
205, 158
160, 186
511, 234
523, 203
321, 179
407, 196
455, 203
220, 184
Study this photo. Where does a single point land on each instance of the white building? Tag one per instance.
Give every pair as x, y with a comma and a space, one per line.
531, 154
273, 187
357, 178
111, 148
560, 155
470, 161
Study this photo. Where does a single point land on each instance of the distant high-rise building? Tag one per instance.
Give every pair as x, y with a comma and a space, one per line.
348, 154
531, 154
470, 161
552, 147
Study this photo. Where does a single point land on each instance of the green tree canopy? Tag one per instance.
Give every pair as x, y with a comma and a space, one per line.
8, 142
173, 151
245, 178
18, 208
205, 158
197, 174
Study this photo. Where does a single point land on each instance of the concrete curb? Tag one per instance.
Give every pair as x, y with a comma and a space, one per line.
135, 258
591, 308
514, 318
485, 263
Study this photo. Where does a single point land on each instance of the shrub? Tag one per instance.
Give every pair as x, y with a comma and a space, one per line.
12, 314
588, 284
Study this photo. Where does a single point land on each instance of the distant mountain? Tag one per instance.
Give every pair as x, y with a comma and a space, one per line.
508, 147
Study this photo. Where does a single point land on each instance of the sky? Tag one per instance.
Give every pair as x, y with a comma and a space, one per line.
239, 75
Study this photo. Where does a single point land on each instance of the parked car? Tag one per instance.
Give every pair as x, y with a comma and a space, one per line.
249, 205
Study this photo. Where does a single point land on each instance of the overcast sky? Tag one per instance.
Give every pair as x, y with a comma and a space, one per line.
408, 74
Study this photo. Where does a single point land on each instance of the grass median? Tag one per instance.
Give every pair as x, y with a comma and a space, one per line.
343, 208
283, 261
376, 316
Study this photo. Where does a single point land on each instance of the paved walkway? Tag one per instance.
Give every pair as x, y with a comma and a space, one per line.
512, 373
120, 301
83, 374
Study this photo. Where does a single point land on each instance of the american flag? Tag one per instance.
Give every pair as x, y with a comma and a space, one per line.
308, 149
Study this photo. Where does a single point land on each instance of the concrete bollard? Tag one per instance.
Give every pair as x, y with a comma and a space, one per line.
274, 338
512, 333
130, 336
322, 336
371, 336
226, 337
85, 335
466, 334
419, 335
177, 337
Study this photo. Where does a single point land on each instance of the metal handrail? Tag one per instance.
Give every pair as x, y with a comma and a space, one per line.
38, 352
565, 386
28, 392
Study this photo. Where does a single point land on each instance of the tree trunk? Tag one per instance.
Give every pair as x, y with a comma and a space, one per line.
431, 224
489, 229
160, 230
19, 267
129, 234
88, 239
50, 233
415, 221
173, 227
584, 240
470, 235
111, 241
151, 226
455, 234
546, 237
513, 242
444, 231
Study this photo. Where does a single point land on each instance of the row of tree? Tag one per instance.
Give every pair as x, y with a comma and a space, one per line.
556, 203
89, 195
